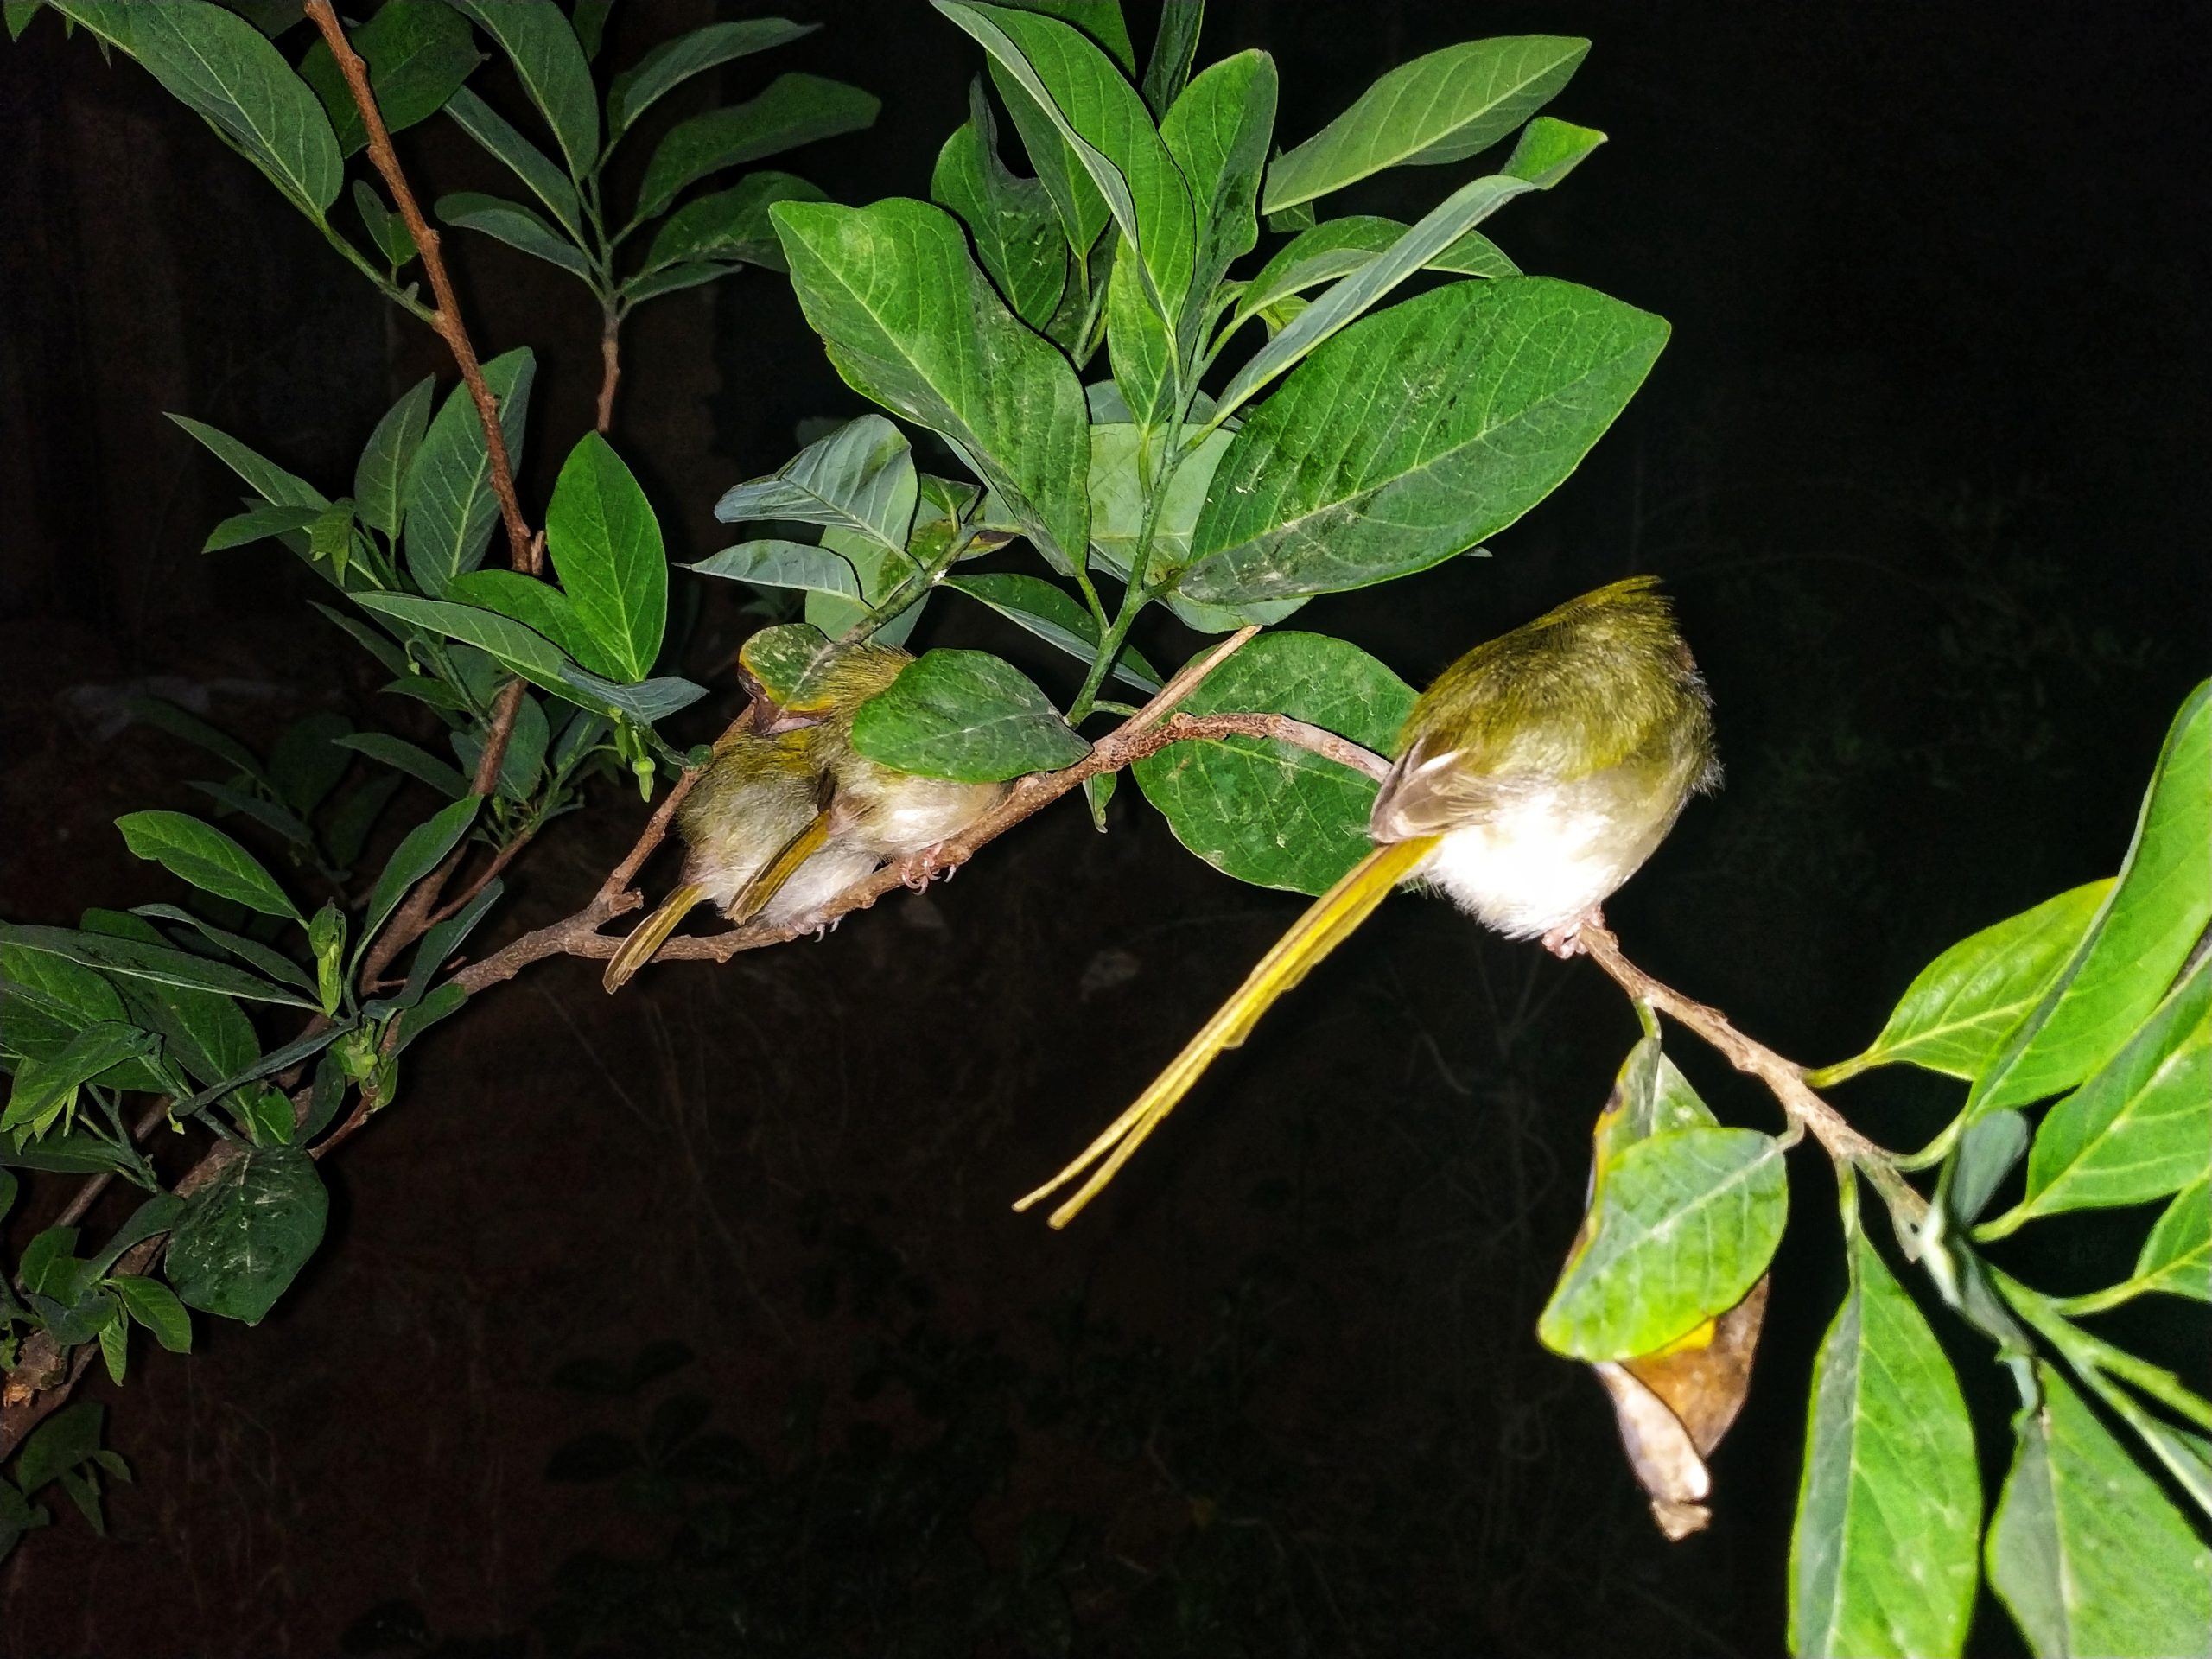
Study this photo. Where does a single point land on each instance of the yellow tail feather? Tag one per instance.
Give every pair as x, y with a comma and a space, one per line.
1319, 931
649, 935
768, 881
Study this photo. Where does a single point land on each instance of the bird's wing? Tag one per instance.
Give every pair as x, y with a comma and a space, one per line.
1431, 792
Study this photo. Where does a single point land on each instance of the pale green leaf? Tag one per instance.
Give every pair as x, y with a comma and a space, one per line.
2178, 1255
770, 562
968, 716
860, 478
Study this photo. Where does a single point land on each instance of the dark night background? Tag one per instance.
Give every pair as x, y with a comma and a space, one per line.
1924, 463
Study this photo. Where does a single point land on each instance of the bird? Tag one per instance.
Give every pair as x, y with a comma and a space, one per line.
788, 814
1533, 779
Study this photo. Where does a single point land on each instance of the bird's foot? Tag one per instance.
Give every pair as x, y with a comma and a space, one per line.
917, 870
1565, 941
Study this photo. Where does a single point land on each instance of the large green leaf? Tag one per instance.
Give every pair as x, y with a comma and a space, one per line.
911, 323
528, 162
524, 760
450, 503
2141, 1127
1119, 498
860, 478
418, 53
1101, 21
158, 963
607, 545
1016, 232
2085, 1550
205, 1029
1442, 107
45, 999
1882, 1555
2176, 1257
1683, 1225
550, 61
673, 62
41, 1086
1958, 1011
731, 224
515, 225
221, 66
208, 858
966, 715
380, 479
1268, 812
269, 481
418, 853
246, 1234
258, 523
2137, 943
772, 562
794, 110
1316, 494
415, 762
1035, 605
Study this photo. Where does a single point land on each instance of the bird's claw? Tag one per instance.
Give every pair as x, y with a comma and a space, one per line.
917, 870
1565, 941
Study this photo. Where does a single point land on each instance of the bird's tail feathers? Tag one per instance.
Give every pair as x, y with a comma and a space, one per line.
650, 935
1331, 919
768, 881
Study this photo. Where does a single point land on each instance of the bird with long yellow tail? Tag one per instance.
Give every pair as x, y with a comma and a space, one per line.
1533, 779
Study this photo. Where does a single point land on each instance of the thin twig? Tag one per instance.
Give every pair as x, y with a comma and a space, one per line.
610, 366
1784, 1077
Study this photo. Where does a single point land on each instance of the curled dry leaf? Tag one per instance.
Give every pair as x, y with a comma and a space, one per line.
1673, 1406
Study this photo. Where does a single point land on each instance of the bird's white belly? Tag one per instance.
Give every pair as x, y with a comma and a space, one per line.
1534, 864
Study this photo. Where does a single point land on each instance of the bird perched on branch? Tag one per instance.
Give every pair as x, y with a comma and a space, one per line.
1534, 776
789, 814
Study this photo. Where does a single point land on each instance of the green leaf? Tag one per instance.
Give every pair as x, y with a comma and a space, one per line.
269, 481
275, 964
257, 525
588, 17
158, 964
725, 224
305, 762
636, 291
1272, 813
2085, 1551
1957, 1012
645, 703
1119, 498
268, 814
528, 162
607, 546
386, 228
536, 605
205, 1031
418, 53
518, 227
424, 847
45, 999
154, 1306
1548, 150
1054, 617
246, 1234
771, 563
70, 1437
860, 478
673, 62
450, 504
550, 61
1011, 219
155, 711
208, 859
2139, 1128
1314, 495
1337, 247
1442, 107
966, 715
1175, 48
2137, 943
79, 1154
415, 761
1683, 1224
2178, 1255
1350, 297
1105, 126
1882, 1555
1218, 132
43, 1087
223, 67
911, 323
794, 110
442, 941
251, 1069
1101, 22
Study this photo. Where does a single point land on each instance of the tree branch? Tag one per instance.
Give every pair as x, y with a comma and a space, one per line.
447, 319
